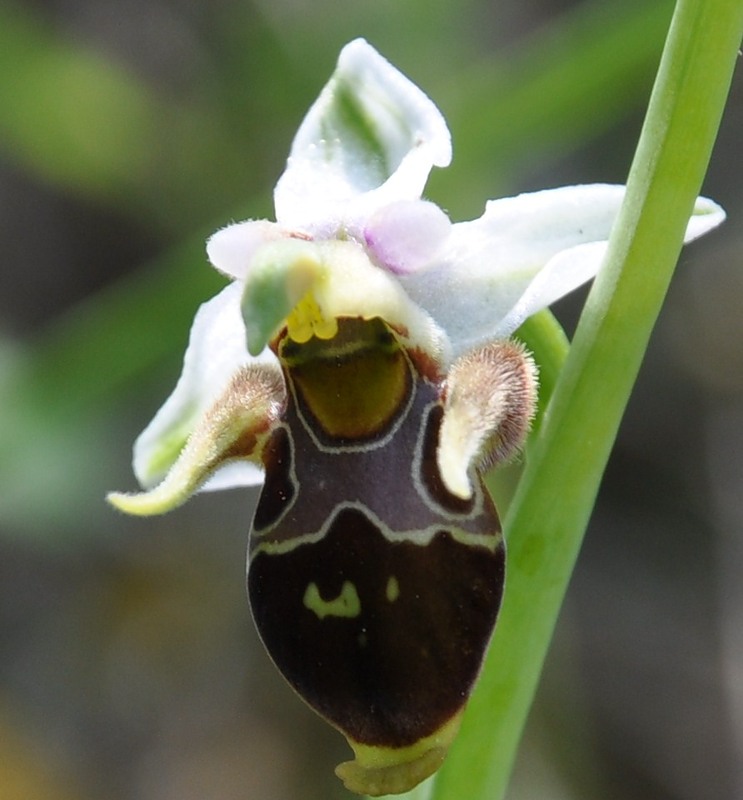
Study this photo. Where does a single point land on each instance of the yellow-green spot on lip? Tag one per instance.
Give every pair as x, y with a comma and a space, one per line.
347, 604
281, 275
392, 591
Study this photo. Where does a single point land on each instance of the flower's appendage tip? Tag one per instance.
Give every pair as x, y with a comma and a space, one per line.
256, 340
142, 504
123, 501
705, 207
259, 327
377, 770
391, 779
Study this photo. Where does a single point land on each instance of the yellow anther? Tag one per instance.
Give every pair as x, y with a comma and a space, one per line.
307, 320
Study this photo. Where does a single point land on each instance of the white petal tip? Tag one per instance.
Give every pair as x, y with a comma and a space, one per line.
706, 216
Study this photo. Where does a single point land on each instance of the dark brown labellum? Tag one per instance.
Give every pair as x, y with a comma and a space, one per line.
374, 588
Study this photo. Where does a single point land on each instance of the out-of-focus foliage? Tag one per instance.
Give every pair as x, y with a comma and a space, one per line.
129, 131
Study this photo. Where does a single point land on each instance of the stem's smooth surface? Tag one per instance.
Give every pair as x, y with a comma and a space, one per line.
546, 340
552, 506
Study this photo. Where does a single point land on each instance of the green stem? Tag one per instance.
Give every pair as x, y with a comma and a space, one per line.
546, 340
552, 506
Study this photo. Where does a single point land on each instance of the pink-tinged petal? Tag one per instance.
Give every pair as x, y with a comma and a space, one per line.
405, 236
231, 249
370, 138
216, 350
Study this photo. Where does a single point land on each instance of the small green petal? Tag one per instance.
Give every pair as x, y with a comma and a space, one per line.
281, 274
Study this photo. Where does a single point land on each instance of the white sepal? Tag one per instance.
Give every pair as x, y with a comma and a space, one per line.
233, 430
216, 351
520, 256
370, 138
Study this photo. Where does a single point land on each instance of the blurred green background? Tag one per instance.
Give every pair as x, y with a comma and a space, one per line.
129, 668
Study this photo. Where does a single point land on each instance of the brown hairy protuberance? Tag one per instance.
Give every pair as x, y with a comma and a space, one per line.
235, 427
256, 396
490, 399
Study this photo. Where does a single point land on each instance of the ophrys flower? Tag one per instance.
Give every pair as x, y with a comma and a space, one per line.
360, 360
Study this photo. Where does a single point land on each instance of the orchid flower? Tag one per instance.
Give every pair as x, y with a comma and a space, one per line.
360, 359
